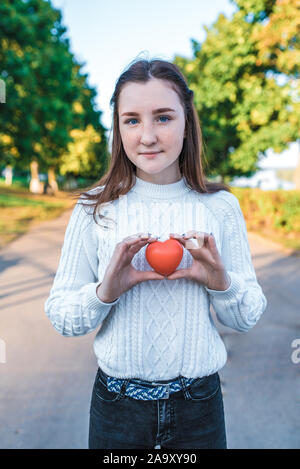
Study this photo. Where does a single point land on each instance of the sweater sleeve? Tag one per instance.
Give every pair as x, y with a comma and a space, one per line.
73, 306
242, 304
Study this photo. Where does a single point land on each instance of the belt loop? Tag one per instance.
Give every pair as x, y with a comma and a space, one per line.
184, 389
102, 375
167, 391
123, 388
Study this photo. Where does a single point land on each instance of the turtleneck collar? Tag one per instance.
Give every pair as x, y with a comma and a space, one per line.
160, 191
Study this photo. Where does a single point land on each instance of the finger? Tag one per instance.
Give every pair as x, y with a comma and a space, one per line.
150, 275
212, 242
199, 242
187, 239
148, 236
135, 248
189, 234
188, 244
211, 245
177, 236
180, 273
136, 238
131, 244
198, 235
191, 244
140, 235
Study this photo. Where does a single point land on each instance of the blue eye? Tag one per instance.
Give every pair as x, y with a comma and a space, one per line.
160, 117
164, 117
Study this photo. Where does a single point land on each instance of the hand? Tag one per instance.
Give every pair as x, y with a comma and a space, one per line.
120, 274
207, 268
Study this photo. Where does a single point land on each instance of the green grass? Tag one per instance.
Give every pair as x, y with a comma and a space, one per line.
20, 210
275, 215
8, 200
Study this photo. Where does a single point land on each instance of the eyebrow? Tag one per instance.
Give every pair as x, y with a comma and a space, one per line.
156, 111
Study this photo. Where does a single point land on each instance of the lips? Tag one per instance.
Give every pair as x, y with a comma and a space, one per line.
150, 155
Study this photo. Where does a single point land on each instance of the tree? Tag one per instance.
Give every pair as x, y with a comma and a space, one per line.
80, 157
243, 107
43, 82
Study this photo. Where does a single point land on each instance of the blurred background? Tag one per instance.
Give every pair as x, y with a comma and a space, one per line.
59, 62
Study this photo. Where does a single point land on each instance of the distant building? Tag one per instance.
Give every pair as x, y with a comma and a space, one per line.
265, 179
277, 171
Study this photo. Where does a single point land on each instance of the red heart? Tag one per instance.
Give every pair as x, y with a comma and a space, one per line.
165, 256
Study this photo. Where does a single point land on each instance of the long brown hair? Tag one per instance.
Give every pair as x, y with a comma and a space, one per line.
120, 176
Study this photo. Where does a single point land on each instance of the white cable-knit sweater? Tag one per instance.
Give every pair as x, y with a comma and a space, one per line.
159, 329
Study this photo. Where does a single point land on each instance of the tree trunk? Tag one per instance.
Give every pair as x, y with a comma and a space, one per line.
52, 181
35, 186
8, 173
2, 92
297, 172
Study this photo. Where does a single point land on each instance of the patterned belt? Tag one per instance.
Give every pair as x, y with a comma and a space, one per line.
145, 390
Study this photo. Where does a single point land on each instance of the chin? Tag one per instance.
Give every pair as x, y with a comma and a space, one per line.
154, 171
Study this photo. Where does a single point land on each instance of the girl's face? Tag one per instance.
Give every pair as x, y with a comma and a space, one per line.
151, 119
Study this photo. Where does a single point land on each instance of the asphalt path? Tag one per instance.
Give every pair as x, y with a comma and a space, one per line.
46, 379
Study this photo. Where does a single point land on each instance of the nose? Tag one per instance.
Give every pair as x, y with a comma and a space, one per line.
148, 135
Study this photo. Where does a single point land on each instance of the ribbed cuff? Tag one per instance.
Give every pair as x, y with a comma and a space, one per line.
231, 291
94, 301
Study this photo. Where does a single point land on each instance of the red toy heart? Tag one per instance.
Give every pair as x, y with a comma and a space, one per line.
165, 256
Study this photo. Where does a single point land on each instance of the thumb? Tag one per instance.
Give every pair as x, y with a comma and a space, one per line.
151, 275
181, 273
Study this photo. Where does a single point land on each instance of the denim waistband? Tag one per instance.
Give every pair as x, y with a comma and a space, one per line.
145, 390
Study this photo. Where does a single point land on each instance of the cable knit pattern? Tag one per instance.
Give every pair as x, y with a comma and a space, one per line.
159, 329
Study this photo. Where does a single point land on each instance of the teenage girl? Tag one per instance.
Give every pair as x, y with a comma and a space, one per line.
157, 347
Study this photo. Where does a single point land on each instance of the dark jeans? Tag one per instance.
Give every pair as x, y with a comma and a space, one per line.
191, 418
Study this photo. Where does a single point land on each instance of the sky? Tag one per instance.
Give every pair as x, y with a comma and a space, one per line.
106, 35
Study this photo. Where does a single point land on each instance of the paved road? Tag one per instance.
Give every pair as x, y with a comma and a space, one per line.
46, 382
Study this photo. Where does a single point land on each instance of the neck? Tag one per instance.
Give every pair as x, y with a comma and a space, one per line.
160, 191
160, 178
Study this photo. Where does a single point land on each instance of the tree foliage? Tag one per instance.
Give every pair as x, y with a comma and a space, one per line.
47, 96
245, 79
81, 155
